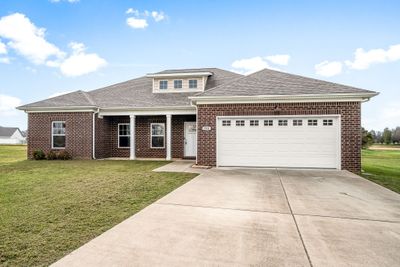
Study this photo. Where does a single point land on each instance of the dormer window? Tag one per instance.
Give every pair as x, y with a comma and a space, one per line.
163, 84
192, 84
178, 84
176, 81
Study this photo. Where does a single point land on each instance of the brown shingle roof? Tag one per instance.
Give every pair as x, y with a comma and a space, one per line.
138, 93
271, 82
74, 99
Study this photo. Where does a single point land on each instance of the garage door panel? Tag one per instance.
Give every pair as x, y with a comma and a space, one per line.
278, 146
291, 145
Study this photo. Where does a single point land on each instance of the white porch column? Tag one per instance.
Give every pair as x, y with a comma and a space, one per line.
132, 137
168, 132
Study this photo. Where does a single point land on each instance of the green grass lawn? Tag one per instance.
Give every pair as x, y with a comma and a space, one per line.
382, 167
49, 208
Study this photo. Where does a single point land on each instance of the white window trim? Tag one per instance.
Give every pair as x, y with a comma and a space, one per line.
53, 134
195, 81
226, 123
159, 84
285, 122
151, 135
177, 80
312, 122
254, 123
327, 122
124, 147
268, 123
238, 123
297, 122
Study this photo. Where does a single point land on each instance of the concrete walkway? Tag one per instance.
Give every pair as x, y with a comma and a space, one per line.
234, 217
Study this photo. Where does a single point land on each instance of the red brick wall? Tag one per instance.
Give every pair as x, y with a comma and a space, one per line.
78, 127
102, 137
107, 136
350, 119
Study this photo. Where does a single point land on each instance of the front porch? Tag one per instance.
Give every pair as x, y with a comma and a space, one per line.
137, 136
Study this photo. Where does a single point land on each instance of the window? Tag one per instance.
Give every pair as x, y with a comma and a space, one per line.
177, 84
327, 122
163, 84
124, 139
226, 123
157, 133
240, 123
282, 122
58, 134
192, 83
253, 122
312, 122
297, 122
268, 122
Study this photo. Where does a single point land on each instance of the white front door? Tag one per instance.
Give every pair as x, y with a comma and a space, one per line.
190, 139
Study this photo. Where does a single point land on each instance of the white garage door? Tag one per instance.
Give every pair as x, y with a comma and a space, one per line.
295, 142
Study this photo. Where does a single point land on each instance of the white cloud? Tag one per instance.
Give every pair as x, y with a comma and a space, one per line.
278, 59
328, 69
3, 48
139, 20
158, 16
8, 104
137, 23
132, 11
29, 41
60, 93
80, 63
5, 60
363, 59
386, 115
26, 39
250, 65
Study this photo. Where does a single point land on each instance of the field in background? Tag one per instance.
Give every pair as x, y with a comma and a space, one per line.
384, 147
382, 166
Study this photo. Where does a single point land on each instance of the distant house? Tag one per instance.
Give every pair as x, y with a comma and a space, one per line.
11, 135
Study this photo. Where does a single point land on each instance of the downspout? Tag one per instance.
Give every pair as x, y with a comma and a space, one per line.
94, 134
197, 129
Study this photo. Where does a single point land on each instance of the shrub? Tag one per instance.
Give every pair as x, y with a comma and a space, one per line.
39, 154
64, 155
52, 155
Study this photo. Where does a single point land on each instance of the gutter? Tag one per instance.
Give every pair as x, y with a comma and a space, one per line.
59, 109
94, 134
282, 98
181, 74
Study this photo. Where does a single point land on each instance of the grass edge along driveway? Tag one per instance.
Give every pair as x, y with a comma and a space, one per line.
50, 208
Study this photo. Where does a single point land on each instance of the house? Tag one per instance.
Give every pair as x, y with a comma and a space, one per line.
11, 136
220, 118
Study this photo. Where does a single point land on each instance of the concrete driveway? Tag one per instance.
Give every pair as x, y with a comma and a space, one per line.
260, 217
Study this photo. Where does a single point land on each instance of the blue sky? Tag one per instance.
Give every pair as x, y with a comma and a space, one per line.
50, 47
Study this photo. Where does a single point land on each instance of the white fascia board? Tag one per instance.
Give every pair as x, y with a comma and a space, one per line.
355, 97
183, 74
58, 109
187, 110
